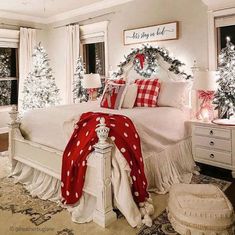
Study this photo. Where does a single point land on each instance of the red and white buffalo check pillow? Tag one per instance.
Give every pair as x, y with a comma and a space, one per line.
148, 90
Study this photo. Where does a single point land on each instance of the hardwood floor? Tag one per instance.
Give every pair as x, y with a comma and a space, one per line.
205, 169
3, 142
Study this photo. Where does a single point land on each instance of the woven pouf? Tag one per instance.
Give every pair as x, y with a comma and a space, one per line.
200, 209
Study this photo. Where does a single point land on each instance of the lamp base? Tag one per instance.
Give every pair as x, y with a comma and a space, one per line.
92, 94
205, 112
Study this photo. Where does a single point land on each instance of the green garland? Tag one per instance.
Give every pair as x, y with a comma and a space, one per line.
151, 54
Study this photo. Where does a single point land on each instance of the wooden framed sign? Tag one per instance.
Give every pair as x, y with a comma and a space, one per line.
168, 31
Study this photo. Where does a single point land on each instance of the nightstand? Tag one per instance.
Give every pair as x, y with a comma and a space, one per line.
214, 144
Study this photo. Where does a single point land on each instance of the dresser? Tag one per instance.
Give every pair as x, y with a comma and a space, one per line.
214, 144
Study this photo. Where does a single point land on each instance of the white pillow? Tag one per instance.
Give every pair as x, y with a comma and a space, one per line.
130, 96
174, 94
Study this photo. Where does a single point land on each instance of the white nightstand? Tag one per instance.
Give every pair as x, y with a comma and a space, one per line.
214, 144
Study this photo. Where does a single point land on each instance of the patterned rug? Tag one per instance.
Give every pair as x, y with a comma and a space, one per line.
162, 226
16, 200
39, 211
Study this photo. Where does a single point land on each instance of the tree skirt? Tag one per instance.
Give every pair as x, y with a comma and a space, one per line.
162, 226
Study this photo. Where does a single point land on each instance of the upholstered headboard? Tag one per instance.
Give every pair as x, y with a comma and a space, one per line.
151, 62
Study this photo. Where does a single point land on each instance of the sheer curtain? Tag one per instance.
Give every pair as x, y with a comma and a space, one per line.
72, 53
27, 44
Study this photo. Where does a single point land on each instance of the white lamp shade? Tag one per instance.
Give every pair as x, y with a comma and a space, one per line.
205, 80
91, 81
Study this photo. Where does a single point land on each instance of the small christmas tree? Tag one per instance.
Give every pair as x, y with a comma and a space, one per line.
40, 89
224, 98
79, 93
5, 86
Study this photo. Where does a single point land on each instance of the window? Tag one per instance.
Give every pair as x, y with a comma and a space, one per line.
94, 48
94, 58
9, 42
221, 23
8, 76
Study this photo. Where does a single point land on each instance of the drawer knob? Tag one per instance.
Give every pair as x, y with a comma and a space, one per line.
212, 155
212, 143
211, 132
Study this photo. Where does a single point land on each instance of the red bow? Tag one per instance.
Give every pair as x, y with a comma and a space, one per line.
206, 97
141, 58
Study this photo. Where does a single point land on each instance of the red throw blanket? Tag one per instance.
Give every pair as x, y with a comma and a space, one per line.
125, 137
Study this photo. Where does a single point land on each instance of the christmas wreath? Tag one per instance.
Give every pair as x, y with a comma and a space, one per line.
145, 62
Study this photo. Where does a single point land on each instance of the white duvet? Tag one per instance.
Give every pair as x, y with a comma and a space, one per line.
158, 127
163, 133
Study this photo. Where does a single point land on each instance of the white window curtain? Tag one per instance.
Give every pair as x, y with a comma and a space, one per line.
72, 53
27, 44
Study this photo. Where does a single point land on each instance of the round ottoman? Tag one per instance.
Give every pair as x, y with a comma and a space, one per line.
200, 209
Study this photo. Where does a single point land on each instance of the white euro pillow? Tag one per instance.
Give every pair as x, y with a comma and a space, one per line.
174, 94
130, 96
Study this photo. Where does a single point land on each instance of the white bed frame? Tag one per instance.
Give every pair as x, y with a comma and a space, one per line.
39, 157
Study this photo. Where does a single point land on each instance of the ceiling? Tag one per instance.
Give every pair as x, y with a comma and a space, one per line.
48, 11
219, 4
43, 8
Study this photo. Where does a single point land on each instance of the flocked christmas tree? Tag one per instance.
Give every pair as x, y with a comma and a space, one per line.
79, 93
40, 89
224, 98
5, 86
98, 69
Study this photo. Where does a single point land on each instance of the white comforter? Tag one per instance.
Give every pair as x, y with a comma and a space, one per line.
158, 128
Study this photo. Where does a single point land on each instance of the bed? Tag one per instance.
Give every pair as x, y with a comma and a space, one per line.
36, 147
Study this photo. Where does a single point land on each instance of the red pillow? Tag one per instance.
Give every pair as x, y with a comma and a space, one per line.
116, 81
148, 91
113, 96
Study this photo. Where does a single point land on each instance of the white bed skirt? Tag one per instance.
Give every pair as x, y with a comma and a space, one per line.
173, 165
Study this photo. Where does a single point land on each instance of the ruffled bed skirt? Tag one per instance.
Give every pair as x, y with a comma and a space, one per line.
173, 165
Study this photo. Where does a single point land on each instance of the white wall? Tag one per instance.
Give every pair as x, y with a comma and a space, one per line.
192, 17
57, 54
191, 45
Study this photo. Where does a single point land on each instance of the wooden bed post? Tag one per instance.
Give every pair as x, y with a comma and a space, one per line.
104, 214
13, 132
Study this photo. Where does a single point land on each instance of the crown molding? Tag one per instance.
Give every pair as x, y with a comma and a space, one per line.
86, 10
104, 4
219, 4
22, 17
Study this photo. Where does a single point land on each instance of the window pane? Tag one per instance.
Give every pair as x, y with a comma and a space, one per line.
7, 62
8, 70
228, 31
94, 58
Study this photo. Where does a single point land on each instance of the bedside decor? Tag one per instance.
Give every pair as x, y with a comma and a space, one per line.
91, 82
200, 209
225, 95
225, 122
205, 84
168, 31
214, 144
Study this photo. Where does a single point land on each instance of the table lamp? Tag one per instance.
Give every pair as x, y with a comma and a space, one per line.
205, 84
91, 82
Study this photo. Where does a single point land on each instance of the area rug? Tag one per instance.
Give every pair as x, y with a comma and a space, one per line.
162, 226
